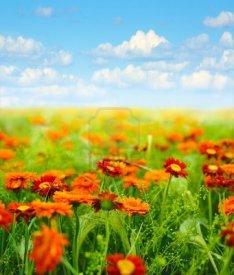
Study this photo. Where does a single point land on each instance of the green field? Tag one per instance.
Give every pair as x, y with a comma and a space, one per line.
175, 223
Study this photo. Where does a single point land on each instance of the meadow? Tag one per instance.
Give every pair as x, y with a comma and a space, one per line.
119, 192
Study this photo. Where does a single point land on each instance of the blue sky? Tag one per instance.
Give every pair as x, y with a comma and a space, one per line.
117, 53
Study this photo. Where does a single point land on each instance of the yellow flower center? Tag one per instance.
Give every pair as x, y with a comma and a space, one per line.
229, 155
213, 167
126, 267
23, 208
211, 151
175, 167
44, 185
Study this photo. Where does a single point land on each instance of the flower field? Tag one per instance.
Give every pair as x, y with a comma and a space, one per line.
119, 192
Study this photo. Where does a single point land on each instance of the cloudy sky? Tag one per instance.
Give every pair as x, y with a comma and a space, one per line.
144, 53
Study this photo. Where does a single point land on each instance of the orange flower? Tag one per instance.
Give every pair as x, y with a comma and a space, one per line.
47, 185
187, 147
175, 137
24, 210
161, 147
118, 138
74, 198
118, 264
57, 135
228, 234
6, 154
86, 183
195, 133
139, 184
106, 201
18, 180
112, 167
3, 136
156, 176
66, 174
6, 218
133, 206
48, 209
211, 170
39, 120
227, 206
15, 142
48, 249
228, 169
175, 168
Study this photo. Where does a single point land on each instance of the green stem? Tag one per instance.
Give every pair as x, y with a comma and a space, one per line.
107, 228
210, 206
68, 266
75, 241
213, 263
26, 238
165, 194
227, 260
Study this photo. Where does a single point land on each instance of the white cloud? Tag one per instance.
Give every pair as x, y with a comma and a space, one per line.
226, 40
140, 44
32, 50
58, 58
19, 45
165, 66
204, 80
225, 62
7, 70
225, 18
44, 11
227, 59
197, 42
131, 76
32, 76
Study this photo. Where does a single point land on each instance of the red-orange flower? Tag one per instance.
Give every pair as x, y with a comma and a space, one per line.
48, 249
74, 198
18, 180
6, 218
209, 149
219, 182
47, 185
139, 184
6, 154
133, 206
118, 264
106, 201
175, 168
86, 183
211, 170
112, 167
48, 209
24, 210
227, 206
228, 234
156, 176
